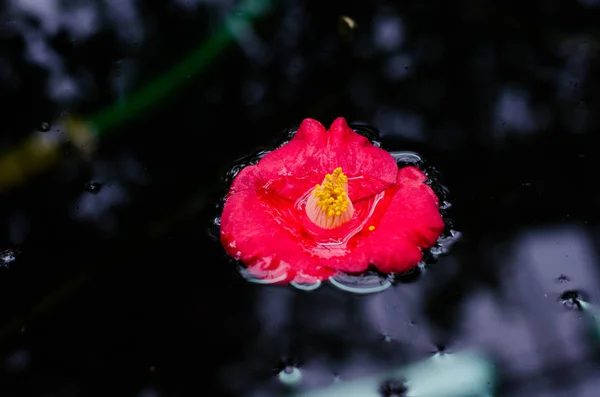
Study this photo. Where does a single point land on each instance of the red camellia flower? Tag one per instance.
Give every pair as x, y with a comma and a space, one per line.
328, 201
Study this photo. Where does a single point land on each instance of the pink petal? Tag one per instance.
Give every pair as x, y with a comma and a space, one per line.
313, 152
250, 233
375, 167
262, 227
410, 222
298, 164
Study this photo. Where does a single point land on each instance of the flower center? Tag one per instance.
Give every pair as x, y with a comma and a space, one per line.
328, 205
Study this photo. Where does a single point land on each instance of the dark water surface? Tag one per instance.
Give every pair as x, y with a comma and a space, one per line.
110, 283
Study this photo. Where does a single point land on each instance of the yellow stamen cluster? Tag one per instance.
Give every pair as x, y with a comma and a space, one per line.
328, 205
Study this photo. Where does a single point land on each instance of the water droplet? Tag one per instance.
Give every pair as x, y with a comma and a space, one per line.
393, 388
410, 158
8, 256
93, 187
290, 375
366, 283
214, 229
445, 205
44, 127
571, 299
436, 250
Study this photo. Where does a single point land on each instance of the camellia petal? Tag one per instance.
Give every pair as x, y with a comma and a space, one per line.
313, 152
403, 227
370, 169
414, 210
250, 233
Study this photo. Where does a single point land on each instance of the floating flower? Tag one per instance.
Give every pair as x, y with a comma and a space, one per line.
328, 201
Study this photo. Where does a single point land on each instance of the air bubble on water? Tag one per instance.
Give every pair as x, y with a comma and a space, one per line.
306, 287
232, 173
93, 187
366, 283
406, 157
290, 375
8, 256
214, 230
290, 132
445, 205
436, 250
44, 127
571, 299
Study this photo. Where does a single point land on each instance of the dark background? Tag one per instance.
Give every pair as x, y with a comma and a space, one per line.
116, 286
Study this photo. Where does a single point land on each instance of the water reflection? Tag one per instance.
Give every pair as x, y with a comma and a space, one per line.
503, 106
